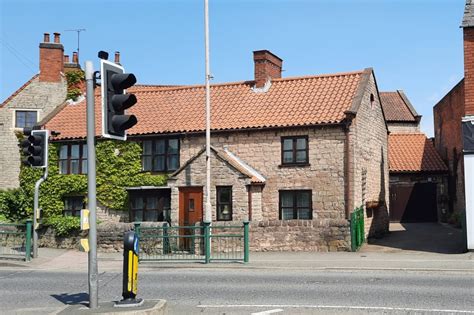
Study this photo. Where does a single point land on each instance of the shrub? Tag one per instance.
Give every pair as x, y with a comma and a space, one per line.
15, 204
63, 225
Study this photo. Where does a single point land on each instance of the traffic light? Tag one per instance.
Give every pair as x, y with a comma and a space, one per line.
114, 101
35, 147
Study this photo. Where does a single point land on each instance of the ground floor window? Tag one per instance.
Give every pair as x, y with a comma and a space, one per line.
73, 206
295, 204
150, 206
224, 203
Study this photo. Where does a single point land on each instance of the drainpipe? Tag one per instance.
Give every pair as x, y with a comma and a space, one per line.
349, 166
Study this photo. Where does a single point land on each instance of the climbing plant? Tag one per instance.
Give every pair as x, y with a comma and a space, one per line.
74, 80
118, 167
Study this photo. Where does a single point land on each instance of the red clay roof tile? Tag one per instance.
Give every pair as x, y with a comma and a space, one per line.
395, 108
413, 153
289, 102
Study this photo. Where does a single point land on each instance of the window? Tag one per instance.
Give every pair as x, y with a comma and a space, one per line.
151, 206
224, 203
294, 150
160, 155
25, 118
295, 204
73, 206
73, 159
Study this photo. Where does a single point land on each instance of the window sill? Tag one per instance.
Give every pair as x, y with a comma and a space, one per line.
294, 165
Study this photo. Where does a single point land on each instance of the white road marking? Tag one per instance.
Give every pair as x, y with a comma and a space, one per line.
278, 310
372, 308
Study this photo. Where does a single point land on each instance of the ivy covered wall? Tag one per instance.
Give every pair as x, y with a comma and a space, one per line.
118, 167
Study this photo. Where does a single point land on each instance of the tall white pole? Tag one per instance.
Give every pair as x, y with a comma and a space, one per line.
207, 213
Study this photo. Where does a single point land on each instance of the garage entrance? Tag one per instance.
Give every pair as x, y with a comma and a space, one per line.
413, 203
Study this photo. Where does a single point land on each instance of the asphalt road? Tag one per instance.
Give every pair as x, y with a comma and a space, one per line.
243, 291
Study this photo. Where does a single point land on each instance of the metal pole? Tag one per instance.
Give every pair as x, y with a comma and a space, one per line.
207, 213
36, 210
91, 187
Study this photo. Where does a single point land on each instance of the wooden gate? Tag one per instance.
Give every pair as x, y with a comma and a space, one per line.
416, 203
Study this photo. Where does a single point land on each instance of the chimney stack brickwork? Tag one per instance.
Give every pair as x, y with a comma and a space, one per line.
267, 66
51, 59
469, 71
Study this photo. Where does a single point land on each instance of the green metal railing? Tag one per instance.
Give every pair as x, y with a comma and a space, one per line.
15, 240
204, 243
357, 229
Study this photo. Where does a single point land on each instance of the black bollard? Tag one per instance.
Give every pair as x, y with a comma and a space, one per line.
130, 271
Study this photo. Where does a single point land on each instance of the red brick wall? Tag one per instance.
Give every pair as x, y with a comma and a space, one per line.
51, 62
266, 65
469, 69
447, 116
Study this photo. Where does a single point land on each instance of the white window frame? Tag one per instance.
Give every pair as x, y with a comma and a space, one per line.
38, 116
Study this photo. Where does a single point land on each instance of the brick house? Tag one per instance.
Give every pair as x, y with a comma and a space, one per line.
448, 114
295, 156
418, 181
32, 102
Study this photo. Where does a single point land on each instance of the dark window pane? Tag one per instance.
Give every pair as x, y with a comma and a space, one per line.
159, 163
147, 147
151, 215
287, 213
63, 167
160, 147
20, 119
147, 163
74, 167
173, 162
84, 166
302, 199
173, 146
224, 195
63, 152
304, 213
286, 199
191, 205
287, 157
137, 203
84, 151
74, 151
67, 213
301, 144
138, 215
287, 144
31, 119
300, 156
151, 203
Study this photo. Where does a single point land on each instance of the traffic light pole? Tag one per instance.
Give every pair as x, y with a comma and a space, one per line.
91, 187
36, 211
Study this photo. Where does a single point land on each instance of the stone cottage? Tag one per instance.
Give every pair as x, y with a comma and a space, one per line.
32, 102
418, 175
295, 156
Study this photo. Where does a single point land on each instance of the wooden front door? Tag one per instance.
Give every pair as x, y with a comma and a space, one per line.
190, 212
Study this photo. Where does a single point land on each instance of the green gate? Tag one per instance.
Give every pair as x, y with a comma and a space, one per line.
203, 243
15, 240
357, 229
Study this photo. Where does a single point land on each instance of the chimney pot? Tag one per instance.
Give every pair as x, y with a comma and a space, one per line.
66, 58
46, 38
267, 66
117, 57
56, 38
75, 58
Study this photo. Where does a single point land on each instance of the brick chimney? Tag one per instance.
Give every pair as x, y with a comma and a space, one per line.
117, 57
267, 66
51, 59
468, 30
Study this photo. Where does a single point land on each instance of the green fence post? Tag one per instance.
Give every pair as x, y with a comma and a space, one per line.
28, 239
246, 242
166, 240
353, 232
207, 242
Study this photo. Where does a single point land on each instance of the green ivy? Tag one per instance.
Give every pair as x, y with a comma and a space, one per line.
118, 167
63, 225
74, 80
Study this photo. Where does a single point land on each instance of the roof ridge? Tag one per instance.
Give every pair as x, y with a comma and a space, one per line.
195, 86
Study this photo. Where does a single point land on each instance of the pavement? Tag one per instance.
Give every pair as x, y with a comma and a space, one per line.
423, 247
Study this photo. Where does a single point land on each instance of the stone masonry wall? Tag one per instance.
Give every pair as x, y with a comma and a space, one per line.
403, 127
40, 96
371, 178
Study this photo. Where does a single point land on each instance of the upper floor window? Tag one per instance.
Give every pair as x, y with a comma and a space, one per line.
73, 206
294, 150
25, 118
73, 159
224, 203
161, 155
295, 204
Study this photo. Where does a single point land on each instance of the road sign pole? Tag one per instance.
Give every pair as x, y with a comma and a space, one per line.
91, 187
